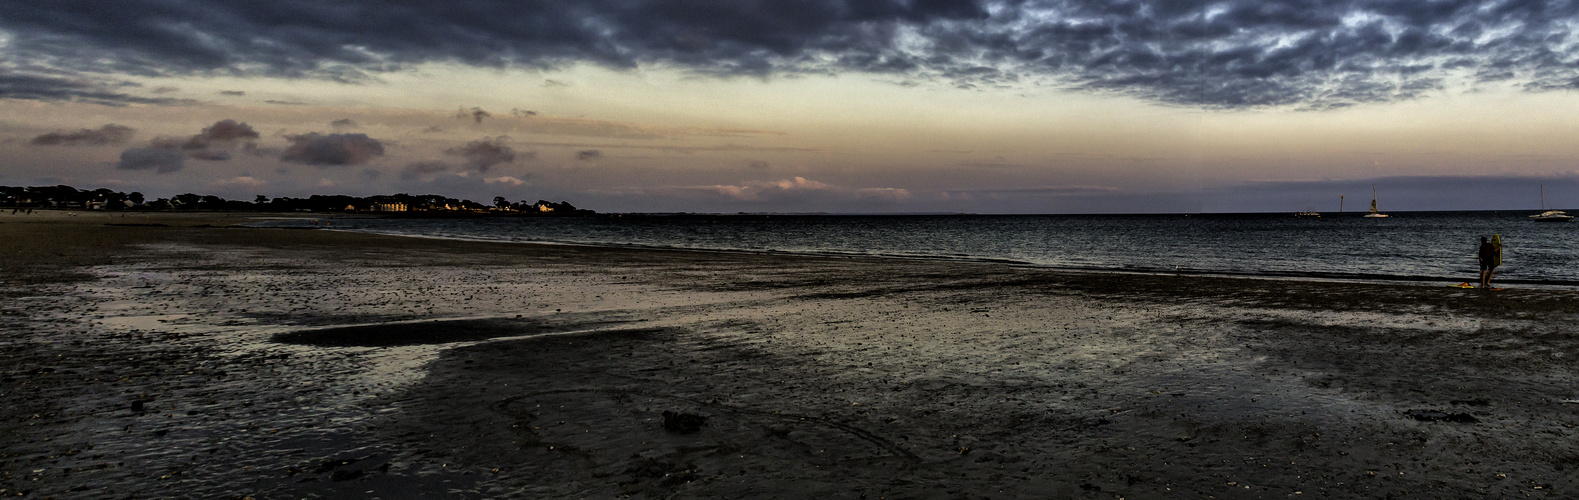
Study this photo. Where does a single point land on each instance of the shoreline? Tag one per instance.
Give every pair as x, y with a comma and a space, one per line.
215, 362
1329, 277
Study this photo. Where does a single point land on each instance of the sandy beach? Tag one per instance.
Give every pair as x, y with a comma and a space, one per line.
175, 356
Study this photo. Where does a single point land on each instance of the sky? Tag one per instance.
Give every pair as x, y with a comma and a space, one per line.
841, 106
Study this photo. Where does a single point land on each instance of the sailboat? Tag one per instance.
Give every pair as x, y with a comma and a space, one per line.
1550, 215
1375, 213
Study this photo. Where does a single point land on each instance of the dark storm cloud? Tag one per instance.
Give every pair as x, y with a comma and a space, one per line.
484, 153
1228, 54
589, 155
343, 123
224, 131
214, 143
162, 160
108, 134
331, 150
54, 88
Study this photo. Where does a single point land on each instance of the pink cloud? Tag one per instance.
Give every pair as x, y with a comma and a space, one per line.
779, 190
504, 180
242, 181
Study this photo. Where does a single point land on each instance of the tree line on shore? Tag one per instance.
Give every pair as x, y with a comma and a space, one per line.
67, 197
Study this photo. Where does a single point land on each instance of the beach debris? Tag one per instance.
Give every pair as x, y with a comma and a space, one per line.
137, 405
1438, 416
683, 423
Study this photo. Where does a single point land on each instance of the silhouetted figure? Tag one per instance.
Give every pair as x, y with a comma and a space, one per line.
1488, 261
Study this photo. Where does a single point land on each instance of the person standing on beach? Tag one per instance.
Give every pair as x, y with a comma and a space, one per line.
1488, 261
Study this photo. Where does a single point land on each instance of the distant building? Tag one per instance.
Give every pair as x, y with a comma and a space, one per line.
389, 207
545, 208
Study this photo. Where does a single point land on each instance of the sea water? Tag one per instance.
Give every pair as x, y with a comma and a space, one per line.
1407, 247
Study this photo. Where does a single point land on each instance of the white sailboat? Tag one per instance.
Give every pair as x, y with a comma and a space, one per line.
1550, 215
1375, 213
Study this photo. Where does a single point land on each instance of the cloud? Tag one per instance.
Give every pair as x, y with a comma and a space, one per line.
623, 130
522, 113
241, 181
17, 85
1315, 54
420, 169
234, 93
758, 164
892, 195
343, 124
476, 114
483, 154
331, 150
508, 180
209, 154
224, 131
162, 160
214, 143
107, 134
588, 154
758, 190
1040, 191
797, 190
254, 149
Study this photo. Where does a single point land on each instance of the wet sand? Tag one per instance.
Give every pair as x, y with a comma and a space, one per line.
171, 356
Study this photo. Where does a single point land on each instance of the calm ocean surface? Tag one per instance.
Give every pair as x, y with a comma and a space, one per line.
1410, 247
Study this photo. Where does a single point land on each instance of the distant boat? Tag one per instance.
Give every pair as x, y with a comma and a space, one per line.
1306, 214
1375, 213
1550, 215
